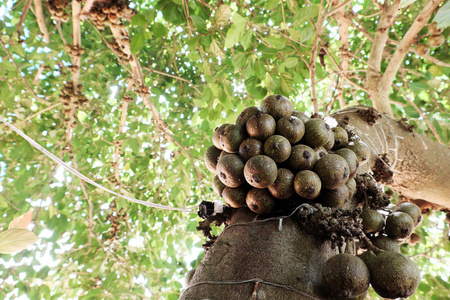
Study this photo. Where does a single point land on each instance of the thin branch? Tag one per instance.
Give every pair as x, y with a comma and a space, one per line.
87, 6
20, 73
312, 62
436, 135
40, 20
172, 76
23, 16
42, 111
338, 8
39, 72
437, 61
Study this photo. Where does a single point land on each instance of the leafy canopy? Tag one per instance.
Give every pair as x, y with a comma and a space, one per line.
202, 62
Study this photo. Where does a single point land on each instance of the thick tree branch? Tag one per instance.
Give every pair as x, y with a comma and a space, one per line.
40, 20
343, 24
388, 77
376, 54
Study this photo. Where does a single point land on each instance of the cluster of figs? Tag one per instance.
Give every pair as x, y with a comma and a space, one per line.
391, 274
275, 153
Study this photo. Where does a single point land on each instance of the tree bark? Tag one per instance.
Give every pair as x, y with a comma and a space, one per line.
271, 263
263, 260
420, 166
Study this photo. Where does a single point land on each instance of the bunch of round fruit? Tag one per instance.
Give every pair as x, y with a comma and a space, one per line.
391, 274
435, 39
275, 153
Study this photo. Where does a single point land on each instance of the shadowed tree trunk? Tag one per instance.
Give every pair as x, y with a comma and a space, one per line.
275, 259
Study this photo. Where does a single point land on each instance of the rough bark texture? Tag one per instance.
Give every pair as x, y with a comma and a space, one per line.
260, 250
421, 166
257, 260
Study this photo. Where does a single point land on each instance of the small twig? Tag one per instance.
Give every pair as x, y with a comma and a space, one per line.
39, 72
172, 76
436, 135
42, 111
337, 8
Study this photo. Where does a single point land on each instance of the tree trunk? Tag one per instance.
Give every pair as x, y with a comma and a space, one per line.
273, 260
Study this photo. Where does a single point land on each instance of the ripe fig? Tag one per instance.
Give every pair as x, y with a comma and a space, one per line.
216, 136
340, 137
393, 275
302, 158
230, 169
235, 197
333, 171
399, 225
345, 275
372, 220
291, 128
277, 106
301, 115
249, 148
436, 40
412, 210
211, 158
246, 114
433, 30
260, 201
260, 171
283, 187
218, 186
316, 133
422, 49
386, 243
231, 137
278, 148
261, 126
307, 184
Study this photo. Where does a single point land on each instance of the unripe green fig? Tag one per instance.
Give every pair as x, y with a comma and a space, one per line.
372, 220
411, 209
307, 184
260, 171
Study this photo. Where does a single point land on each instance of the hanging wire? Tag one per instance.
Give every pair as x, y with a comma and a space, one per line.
88, 180
255, 280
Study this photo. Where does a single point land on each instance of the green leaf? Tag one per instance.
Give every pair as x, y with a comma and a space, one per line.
159, 29
15, 239
222, 15
253, 87
198, 22
233, 36
292, 5
291, 62
239, 21
277, 43
82, 116
246, 39
137, 42
260, 69
443, 16
417, 87
139, 20
411, 112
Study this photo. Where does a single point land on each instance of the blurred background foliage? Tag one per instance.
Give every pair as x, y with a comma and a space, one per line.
202, 62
